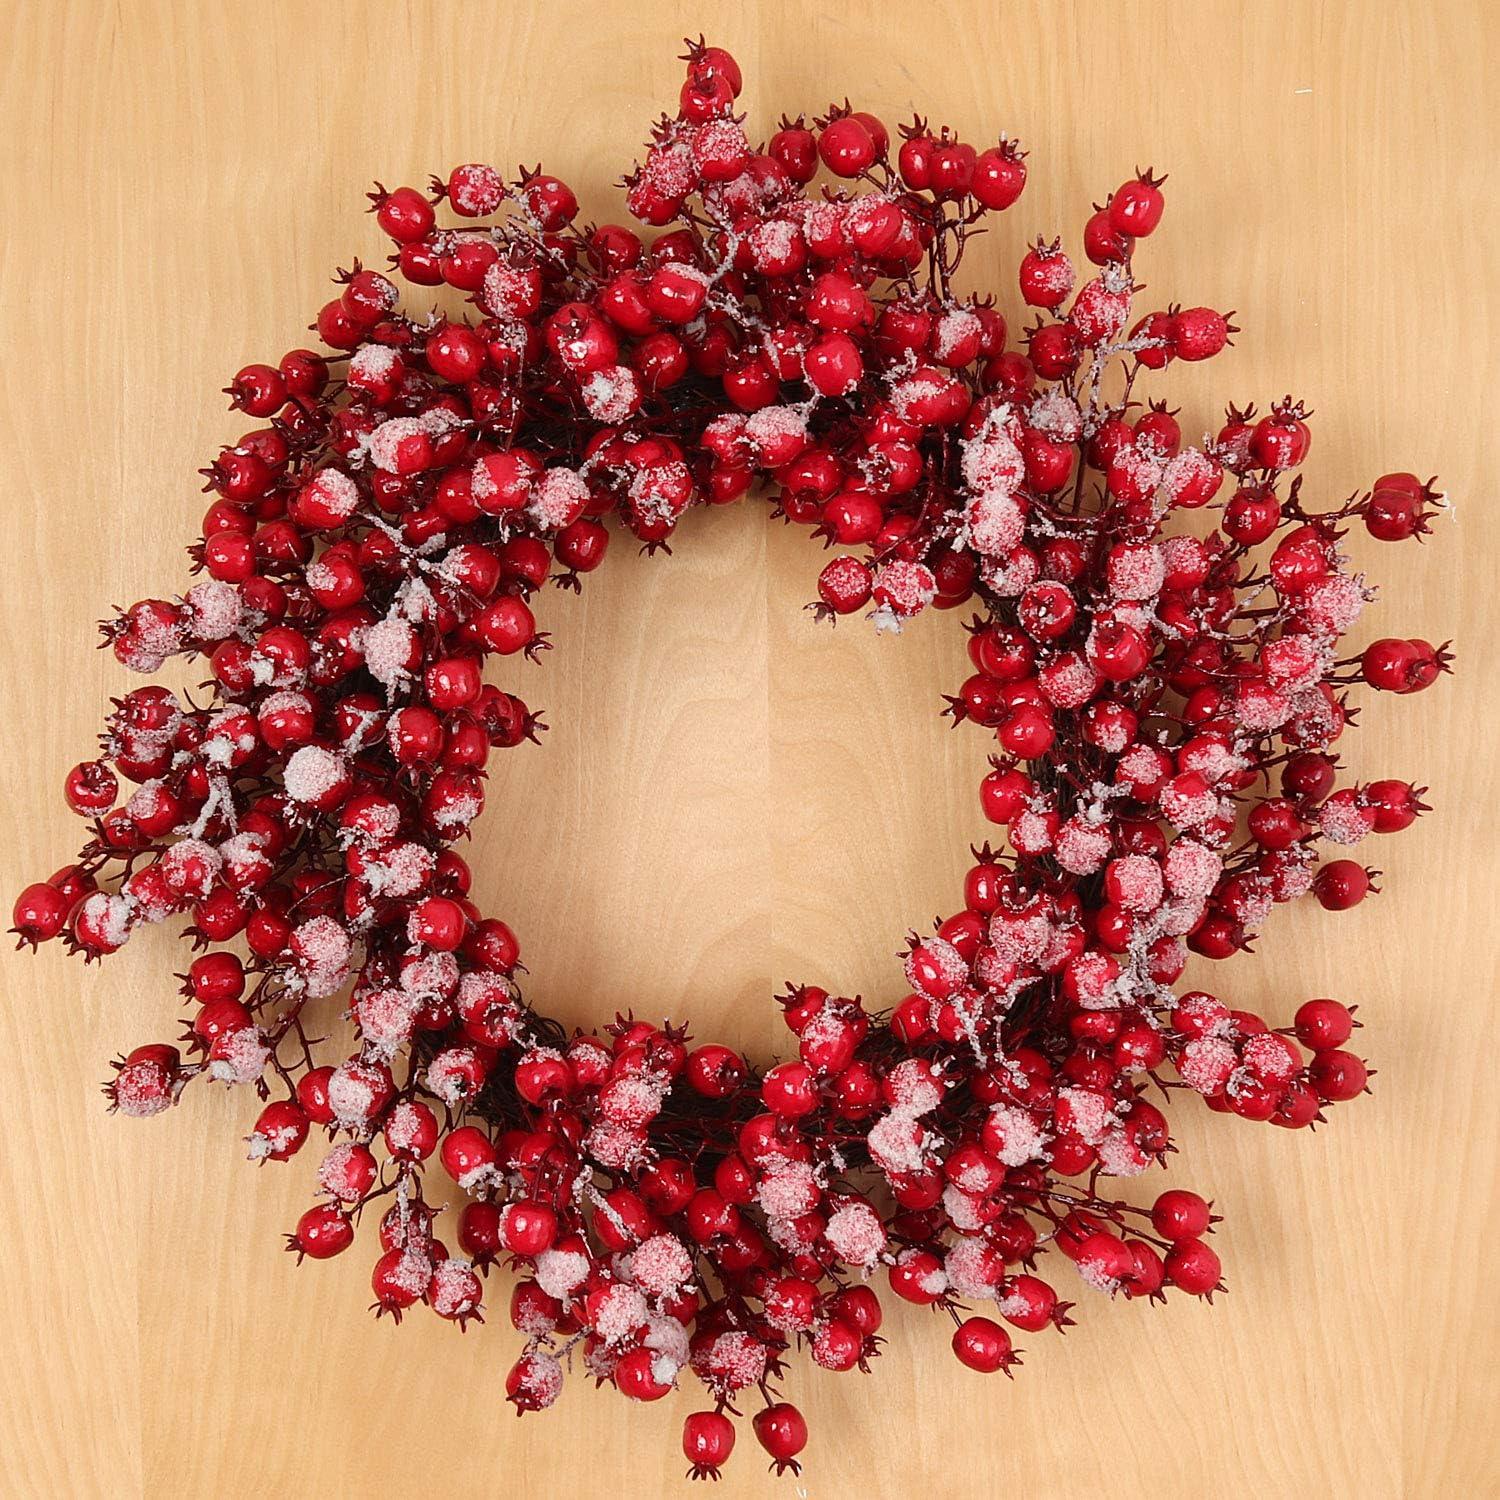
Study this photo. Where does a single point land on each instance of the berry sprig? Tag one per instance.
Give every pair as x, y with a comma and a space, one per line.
1164, 706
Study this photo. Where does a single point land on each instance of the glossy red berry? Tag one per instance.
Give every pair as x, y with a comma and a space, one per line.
983, 1345
1136, 207
40, 913
1193, 1267
999, 176
707, 1442
846, 147
1341, 884
782, 1431
1323, 1024
1338, 1076
1180, 1215
321, 1233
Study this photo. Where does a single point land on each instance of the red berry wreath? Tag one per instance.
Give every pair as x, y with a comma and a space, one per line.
1165, 706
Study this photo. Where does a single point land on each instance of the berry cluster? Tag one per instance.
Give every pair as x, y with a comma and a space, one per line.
1164, 706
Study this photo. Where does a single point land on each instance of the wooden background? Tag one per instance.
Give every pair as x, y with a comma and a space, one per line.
731, 795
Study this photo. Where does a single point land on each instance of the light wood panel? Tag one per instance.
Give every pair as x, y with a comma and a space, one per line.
730, 795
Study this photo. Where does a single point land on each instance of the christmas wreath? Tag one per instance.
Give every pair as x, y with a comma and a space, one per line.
1164, 702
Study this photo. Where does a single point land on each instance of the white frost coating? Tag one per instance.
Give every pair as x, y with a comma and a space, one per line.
1119, 1156
1020, 1138
321, 947
388, 646
557, 498
560, 1273
855, 1234
242, 1056
214, 609
972, 1268
619, 1312
112, 917
312, 773
611, 395
661, 1266
788, 1189
1088, 1113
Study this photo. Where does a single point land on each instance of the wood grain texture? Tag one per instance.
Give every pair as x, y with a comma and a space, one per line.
730, 795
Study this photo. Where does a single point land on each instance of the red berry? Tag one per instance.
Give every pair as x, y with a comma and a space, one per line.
999, 176
846, 147
983, 1345
527, 1229
40, 914
1193, 1267
1180, 1215
1046, 276
782, 1431
1136, 207
1323, 1024
400, 1279
321, 1233
796, 148
1341, 884
833, 364
707, 1441
1198, 333
1338, 1076
637, 1375
405, 214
